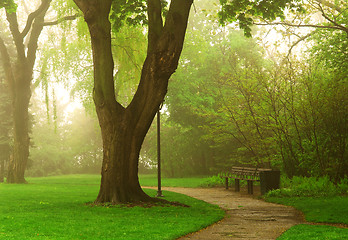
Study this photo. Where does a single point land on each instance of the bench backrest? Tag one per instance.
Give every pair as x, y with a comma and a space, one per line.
247, 173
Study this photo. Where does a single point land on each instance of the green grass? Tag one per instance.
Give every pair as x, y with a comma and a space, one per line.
303, 231
319, 210
149, 180
54, 208
192, 182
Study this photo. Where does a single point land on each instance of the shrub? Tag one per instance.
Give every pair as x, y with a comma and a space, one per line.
309, 187
343, 186
214, 181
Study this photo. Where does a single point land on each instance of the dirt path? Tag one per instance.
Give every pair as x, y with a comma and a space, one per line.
246, 216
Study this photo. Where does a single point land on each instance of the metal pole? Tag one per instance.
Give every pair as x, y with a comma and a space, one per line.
159, 191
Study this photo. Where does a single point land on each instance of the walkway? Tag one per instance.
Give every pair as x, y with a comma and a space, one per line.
246, 216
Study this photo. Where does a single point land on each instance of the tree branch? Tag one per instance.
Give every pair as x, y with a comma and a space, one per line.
36, 31
66, 18
6, 61
345, 29
298, 41
33, 15
299, 25
154, 12
330, 5
17, 38
96, 15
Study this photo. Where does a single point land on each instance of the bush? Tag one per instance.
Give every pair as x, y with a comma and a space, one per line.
214, 181
309, 187
343, 186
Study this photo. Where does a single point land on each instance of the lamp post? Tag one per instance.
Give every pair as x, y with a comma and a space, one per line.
159, 191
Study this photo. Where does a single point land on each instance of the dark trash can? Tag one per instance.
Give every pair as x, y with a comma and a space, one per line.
269, 180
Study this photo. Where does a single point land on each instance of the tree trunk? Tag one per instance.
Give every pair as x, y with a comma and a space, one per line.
124, 129
21, 99
119, 183
2, 166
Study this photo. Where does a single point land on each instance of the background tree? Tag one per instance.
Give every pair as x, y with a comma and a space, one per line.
19, 75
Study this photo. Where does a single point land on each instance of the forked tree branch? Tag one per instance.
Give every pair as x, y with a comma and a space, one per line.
36, 29
33, 15
298, 41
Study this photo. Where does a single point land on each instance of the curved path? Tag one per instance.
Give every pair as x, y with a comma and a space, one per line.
246, 217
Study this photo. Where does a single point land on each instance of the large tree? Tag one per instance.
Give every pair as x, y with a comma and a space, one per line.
19, 75
124, 128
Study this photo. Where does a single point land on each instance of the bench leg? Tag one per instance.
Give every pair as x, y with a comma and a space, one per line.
236, 185
226, 182
250, 187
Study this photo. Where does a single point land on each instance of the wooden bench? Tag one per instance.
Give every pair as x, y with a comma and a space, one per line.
243, 173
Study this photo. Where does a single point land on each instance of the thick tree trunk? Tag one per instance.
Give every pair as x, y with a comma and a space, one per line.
119, 183
21, 99
124, 129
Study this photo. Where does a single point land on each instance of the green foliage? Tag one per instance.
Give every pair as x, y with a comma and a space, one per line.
330, 49
304, 231
129, 53
291, 116
130, 13
9, 5
214, 181
245, 11
219, 99
308, 187
57, 210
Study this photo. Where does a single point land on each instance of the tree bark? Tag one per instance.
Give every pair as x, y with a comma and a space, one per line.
21, 99
124, 129
2, 164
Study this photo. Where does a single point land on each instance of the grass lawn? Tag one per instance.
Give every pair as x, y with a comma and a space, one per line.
319, 210
193, 182
304, 232
148, 180
54, 208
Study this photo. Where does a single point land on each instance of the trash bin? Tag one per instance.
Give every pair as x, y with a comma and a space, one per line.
269, 180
